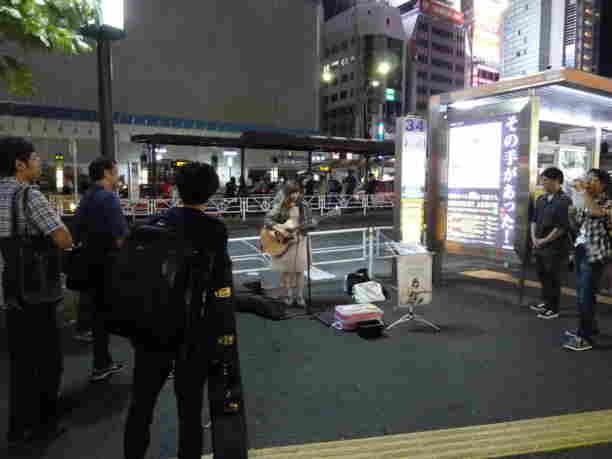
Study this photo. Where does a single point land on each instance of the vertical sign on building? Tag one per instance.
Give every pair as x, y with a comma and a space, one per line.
411, 161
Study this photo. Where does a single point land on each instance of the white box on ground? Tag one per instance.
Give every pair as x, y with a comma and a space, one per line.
414, 276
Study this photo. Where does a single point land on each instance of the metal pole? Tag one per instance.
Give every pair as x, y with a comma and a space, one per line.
371, 261
242, 178
310, 161
75, 180
105, 99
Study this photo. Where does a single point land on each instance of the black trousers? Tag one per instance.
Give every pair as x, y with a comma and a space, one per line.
151, 371
36, 366
98, 271
551, 267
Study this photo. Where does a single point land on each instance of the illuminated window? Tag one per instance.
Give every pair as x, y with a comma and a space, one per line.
586, 68
586, 57
587, 22
588, 34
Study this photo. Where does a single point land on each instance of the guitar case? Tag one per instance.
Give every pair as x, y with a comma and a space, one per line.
226, 402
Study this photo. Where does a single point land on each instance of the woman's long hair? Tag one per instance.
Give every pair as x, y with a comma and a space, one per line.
288, 190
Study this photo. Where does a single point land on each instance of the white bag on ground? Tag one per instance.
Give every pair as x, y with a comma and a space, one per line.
368, 292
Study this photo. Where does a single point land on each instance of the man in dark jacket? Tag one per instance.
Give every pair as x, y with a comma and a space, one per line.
196, 184
550, 239
101, 226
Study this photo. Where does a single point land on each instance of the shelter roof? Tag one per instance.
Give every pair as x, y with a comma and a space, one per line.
272, 141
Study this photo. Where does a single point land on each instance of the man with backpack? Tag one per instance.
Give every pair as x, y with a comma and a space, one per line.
200, 290
101, 227
35, 366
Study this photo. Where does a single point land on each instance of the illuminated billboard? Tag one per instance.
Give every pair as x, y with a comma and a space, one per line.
482, 182
488, 30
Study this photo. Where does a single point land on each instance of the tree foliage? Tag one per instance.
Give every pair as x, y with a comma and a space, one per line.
39, 25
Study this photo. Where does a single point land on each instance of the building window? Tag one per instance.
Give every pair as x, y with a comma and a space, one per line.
344, 78
442, 48
352, 76
422, 58
325, 100
343, 95
440, 78
345, 45
441, 63
334, 98
352, 92
422, 75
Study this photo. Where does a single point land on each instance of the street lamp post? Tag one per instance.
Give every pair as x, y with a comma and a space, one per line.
108, 26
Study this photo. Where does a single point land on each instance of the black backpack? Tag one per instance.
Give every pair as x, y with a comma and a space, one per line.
357, 277
156, 287
32, 264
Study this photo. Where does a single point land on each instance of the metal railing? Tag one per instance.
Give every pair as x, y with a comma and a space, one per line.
369, 249
240, 206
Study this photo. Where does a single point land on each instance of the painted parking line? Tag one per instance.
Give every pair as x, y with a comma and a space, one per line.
491, 440
495, 275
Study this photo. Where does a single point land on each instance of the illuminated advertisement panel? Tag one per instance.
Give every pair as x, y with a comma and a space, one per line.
482, 182
488, 30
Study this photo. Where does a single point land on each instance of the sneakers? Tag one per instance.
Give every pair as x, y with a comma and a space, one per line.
538, 307
288, 300
85, 337
577, 343
301, 301
548, 314
101, 374
574, 332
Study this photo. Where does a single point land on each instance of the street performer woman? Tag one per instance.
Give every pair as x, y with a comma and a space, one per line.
290, 216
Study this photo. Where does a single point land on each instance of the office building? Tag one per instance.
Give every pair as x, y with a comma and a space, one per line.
436, 46
206, 68
361, 70
546, 34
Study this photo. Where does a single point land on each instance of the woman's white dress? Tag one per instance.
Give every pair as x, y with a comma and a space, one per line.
294, 259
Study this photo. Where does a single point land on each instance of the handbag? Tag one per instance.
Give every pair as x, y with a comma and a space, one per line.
32, 274
76, 268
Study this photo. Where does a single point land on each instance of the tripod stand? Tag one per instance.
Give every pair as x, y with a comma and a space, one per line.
412, 316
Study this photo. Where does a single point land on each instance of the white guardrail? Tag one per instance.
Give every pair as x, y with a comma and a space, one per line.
242, 207
370, 246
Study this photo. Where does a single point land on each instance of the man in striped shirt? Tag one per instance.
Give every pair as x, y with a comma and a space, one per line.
593, 250
36, 368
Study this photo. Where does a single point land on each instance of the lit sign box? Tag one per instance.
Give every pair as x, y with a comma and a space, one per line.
110, 13
443, 11
482, 182
411, 142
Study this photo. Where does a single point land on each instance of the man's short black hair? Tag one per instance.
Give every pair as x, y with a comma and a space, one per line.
553, 173
98, 166
12, 149
602, 175
196, 183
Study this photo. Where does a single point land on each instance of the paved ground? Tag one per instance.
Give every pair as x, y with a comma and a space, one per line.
493, 361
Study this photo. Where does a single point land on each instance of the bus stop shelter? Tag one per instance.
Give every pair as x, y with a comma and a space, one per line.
487, 147
269, 141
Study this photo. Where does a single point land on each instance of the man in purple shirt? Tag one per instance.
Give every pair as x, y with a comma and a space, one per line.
101, 227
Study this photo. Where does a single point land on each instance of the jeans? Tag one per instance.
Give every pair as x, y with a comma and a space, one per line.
85, 313
550, 268
36, 366
588, 276
151, 371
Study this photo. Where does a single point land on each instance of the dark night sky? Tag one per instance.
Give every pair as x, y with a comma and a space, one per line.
606, 37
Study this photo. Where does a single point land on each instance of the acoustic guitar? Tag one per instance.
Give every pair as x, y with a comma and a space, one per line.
276, 244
